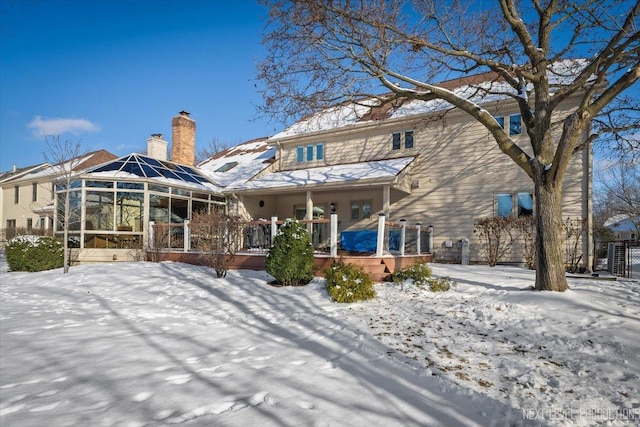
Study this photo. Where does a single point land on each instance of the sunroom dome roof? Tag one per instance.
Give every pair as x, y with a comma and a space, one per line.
148, 167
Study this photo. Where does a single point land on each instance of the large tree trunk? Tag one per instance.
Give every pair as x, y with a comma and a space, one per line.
550, 271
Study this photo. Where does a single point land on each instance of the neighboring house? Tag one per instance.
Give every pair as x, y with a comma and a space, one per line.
11, 191
623, 227
27, 194
406, 160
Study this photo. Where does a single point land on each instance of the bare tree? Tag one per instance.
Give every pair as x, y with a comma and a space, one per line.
218, 237
321, 53
64, 156
620, 186
214, 147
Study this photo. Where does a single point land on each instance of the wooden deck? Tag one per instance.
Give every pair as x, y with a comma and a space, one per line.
379, 268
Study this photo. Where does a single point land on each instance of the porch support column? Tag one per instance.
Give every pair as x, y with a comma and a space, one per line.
381, 233
274, 229
418, 226
309, 215
151, 238
333, 242
187, 236
430, 239
386, 199
403, 235
240, 205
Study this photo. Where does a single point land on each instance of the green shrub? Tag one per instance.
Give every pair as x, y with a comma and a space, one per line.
34, 253
290, 258
348, 283
420, 274
440, 284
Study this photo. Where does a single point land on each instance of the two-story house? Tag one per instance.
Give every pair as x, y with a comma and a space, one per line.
27, 194
419, 161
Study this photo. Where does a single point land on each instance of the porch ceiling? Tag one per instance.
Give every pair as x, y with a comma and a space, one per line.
382, 172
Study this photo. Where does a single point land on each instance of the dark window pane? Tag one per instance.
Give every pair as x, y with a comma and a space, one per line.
408, 139
525, 204
515, 124
396, 141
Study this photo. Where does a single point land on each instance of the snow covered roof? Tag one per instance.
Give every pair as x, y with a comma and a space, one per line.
479, 88
77, 164
18, 172
620, 222
351, 173
139, 166
238, 164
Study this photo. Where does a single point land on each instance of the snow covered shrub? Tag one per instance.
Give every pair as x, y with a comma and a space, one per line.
420, 274
348, 283
290, 258
440, 284
34, 253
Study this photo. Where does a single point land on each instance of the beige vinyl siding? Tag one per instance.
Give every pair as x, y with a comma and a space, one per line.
23, 210
457, 173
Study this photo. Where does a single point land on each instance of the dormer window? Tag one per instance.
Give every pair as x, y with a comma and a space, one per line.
227, 167
397, 137
310, 153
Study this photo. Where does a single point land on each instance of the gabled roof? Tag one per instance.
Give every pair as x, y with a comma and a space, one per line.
374, 172
239, 164
161, 171
620, 222
78, 164
480, 88
18, 172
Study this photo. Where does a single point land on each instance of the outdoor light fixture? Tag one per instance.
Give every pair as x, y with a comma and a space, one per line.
333, 207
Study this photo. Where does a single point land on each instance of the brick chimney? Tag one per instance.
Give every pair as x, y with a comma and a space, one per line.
183, 140
157, 147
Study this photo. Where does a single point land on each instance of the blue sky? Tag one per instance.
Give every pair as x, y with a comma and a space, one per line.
112, 72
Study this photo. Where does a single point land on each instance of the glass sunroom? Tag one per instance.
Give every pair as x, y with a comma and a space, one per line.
111, 205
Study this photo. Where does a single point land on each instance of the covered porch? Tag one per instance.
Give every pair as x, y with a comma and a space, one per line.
356, 192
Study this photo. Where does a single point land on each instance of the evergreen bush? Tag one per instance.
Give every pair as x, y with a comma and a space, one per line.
348, 283
34, 253
420, 274
290, 258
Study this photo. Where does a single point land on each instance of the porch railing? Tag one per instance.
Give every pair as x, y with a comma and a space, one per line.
257, 236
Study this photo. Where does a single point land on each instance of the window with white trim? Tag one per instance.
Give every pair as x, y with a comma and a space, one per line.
397, 139
514, 123
514, 204
360, 209
310, 153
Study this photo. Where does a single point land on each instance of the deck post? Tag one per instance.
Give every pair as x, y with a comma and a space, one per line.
274, 229
403, 235
187, 236
333, 242
430, 239
380, 240
418, 226
152, 240
309, 214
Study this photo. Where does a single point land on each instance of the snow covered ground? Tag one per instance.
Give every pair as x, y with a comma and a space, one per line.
144, 344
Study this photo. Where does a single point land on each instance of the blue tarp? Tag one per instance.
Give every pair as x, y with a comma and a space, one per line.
359, 241
366, 240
